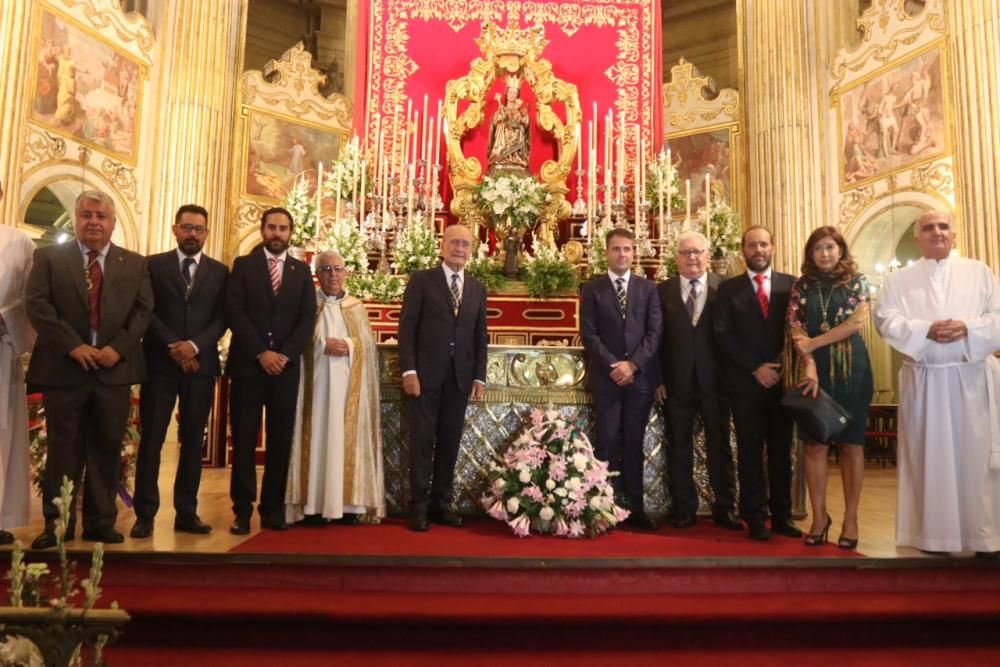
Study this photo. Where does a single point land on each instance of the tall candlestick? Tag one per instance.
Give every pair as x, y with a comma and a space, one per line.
708, 208
354, 171
409, 194
659, 192
336, 195
687, 201
361, 210
423, 133
319, 192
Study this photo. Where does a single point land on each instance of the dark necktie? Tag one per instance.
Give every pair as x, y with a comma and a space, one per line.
186, 274
761, 293
456, 297
95, 279
620, 292
692, 301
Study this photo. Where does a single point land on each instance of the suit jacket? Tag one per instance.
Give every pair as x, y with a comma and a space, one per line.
262, 320
59, 309
688, 351
430, 333
608, 338
200, 317
744, 337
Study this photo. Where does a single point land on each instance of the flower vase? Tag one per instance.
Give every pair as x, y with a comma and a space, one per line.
512, 252
720, 266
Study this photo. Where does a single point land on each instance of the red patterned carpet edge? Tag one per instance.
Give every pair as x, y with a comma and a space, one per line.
486, 538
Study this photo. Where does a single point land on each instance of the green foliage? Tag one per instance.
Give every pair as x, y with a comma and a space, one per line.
548, 273
376, 286
488, 272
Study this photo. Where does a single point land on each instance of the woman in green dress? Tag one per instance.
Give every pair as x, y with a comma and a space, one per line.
827, 310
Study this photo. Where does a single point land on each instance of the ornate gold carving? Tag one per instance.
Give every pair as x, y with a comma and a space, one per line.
854, 201
41, 146
512, 51
248, 214
935, 177
895, 29
496, 369
572, 251
536, 369
123, 179
83, 154
128, 27
685, 106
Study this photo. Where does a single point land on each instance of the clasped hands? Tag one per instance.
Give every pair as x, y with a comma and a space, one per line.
336, 347
183, 354
947, 331
91, 358
623, 373
272, 362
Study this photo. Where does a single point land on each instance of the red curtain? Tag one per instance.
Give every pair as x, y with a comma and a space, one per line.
610, 49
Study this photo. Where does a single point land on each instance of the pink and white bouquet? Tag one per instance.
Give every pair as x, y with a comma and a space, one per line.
551, 482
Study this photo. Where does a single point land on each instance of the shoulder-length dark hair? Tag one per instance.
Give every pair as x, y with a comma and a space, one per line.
846, 269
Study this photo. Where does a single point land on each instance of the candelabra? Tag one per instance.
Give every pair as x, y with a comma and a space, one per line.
438, 202
580, 205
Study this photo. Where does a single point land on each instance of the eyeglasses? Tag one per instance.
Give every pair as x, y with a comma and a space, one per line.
691, 252
326, 268
197, 229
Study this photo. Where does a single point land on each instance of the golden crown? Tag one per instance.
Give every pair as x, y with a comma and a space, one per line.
507, 42
514, 81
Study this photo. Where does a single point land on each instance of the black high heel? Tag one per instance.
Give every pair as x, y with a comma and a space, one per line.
847, 543
816, 540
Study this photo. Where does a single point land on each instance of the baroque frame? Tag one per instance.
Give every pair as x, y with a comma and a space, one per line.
287, 89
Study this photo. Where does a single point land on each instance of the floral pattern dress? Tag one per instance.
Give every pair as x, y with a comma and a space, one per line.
844, 368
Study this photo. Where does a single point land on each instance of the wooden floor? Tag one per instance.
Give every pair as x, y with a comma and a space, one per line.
878, 512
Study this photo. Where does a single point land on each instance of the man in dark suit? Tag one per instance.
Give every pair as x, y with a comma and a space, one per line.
271, 309
690, 387
621, 325
750, 332
442, 352
181, 348
90, 302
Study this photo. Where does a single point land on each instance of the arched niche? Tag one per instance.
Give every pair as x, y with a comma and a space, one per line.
52, 186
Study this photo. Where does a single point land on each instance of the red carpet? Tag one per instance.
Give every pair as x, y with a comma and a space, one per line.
487, 538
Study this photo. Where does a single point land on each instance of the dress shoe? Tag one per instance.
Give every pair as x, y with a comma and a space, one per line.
313, 521
759, 530
640, 521
6, 537
350, 520
988, 555
418, 522
142, 528
273, 523
728, 520
445, 517
683, 521
785, 527
106, 535
241, 526
46, 540
191, 524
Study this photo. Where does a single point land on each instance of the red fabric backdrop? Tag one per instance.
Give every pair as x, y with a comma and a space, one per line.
610, 49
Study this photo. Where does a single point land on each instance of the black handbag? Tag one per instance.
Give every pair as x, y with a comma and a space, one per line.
822, 419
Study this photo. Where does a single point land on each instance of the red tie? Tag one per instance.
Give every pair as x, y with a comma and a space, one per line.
95, 278
275, 274
761, 293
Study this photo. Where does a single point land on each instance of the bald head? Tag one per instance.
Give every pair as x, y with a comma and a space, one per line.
456, 246
330, 272
934, 233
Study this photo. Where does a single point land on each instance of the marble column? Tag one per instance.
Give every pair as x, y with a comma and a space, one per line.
15, 54
782, 87
974, 46
194, 154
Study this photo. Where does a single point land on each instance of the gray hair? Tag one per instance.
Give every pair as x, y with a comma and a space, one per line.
97, 196
333, 254
692, 235
932, 214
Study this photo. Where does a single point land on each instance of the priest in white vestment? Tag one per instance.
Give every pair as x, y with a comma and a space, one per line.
335, 471
16, 338
943, 314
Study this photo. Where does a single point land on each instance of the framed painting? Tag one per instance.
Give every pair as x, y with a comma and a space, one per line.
893, 119
705, 152
280, 150
84, 88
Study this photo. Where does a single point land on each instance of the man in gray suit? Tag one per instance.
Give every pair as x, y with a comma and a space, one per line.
621, 325
90, 302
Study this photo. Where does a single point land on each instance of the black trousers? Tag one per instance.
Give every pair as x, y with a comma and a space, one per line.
620, 418
437, 418
761, 426
679, 415
156, 406
86, 426
248, 398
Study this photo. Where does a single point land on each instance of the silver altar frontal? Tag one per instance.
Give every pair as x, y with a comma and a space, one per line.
519, 379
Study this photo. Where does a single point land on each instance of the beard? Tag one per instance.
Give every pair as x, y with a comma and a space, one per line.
191, 247
276, 245
758, 262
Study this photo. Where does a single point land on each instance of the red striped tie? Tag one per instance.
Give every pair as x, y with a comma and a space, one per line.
95, 279
275, 275
761, 293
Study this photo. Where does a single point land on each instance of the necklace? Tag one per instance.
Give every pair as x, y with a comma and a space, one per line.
824, 304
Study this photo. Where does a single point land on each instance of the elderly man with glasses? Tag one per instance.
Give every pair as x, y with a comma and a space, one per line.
335, 470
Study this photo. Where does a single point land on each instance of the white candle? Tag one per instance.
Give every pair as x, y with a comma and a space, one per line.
708, 208
409, 195
319, 192
354, 171
423, 134
659, 190
336, 196
687, 197
361, 211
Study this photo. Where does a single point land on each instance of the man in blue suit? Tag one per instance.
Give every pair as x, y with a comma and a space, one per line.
621, 325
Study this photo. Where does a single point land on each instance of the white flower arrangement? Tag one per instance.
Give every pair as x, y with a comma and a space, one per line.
551, 482
344, 174
303, 210
726, 230
376, 286
663, 184
345, 238
415, 249
518, 199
